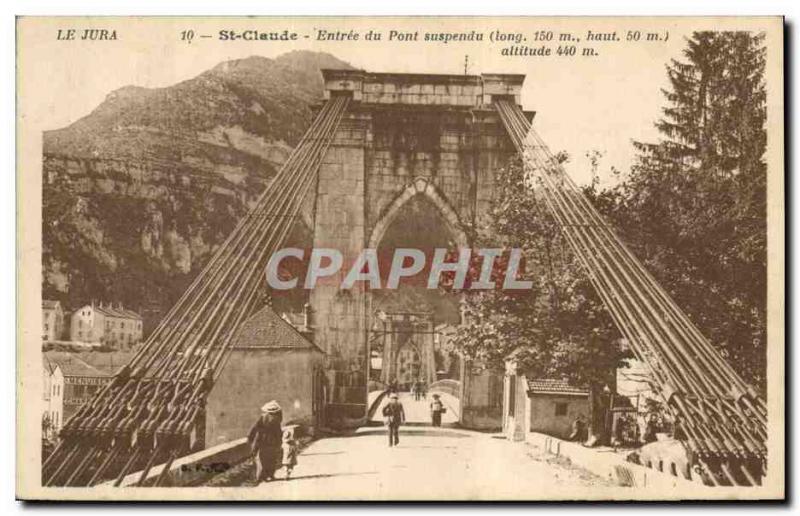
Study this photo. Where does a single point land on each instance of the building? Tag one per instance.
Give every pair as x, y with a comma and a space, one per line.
52, 397
269, 359
52, 320
634, 382
547, 406
553, 405
70, 380
107, 325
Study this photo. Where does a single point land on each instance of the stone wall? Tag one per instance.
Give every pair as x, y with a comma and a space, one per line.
544, 419
480, 407
251, 378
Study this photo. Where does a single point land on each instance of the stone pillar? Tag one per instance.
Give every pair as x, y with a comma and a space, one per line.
341, 316
387, 365
428, 357
404, 135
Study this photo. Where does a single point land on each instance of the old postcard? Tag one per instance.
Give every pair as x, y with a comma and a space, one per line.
319, 258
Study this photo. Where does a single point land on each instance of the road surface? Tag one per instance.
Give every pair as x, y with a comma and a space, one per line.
428, 464
418, 412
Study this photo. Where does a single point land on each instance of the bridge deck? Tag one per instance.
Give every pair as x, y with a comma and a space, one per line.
418, 412
429, 463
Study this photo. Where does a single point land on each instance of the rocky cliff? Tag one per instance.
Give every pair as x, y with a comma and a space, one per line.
139, 192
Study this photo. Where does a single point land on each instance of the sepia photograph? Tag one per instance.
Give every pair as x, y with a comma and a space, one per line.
400, 258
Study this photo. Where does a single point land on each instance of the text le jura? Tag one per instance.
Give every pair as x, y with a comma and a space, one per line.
86, 35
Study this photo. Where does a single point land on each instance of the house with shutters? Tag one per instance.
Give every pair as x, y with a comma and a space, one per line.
106, 324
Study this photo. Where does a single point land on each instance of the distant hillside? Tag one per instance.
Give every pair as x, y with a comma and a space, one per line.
140, 191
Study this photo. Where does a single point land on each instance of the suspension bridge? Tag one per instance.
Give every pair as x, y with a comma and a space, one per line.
152, 411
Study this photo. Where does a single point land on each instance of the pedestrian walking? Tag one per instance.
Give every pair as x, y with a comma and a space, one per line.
394, 416
289, 451
265, 441
415, 390
437, 409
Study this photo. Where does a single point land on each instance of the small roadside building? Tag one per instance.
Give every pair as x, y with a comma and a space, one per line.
554, 405
543, 405
269, 359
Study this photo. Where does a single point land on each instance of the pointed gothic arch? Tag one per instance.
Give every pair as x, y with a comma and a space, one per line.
420, 186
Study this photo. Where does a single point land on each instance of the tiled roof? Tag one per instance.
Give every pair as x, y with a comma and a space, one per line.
117, 312
552, 386
49, 365
71, 364
108, 362
266, 329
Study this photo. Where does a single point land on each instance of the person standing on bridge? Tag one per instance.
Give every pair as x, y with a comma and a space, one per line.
394, 415
437, 409
265, 441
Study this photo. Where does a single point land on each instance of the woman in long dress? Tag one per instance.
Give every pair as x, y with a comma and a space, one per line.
265, 441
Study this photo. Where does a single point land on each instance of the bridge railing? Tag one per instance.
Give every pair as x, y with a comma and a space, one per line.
376, 393
448, 386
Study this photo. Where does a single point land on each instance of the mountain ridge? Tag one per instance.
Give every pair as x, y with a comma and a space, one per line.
140, 191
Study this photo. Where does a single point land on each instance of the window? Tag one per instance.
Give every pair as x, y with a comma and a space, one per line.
561, 409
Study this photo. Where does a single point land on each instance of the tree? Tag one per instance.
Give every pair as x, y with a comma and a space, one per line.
559, 329
694, 204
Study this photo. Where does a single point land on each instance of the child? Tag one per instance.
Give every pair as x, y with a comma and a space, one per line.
289, 449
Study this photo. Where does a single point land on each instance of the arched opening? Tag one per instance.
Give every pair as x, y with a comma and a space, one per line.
419, 218
406, 345
408, 364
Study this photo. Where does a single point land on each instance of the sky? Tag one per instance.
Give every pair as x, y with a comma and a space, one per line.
582, 103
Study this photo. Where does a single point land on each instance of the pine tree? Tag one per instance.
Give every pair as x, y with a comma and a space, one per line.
694, 204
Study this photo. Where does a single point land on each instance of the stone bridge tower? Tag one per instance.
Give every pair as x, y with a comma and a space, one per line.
404, 136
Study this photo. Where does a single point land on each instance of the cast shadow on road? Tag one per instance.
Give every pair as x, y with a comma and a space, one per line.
331, 475
417, 431
429, 446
